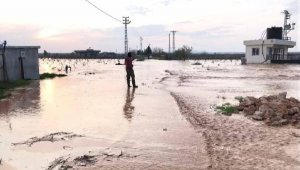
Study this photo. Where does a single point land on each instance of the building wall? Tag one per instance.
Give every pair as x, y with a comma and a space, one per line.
263, 46
261, 58
13, 63
257, 59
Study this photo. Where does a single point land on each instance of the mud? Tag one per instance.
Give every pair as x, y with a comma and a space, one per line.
297, 135
90, 159
236, 144
53, 137
57, 162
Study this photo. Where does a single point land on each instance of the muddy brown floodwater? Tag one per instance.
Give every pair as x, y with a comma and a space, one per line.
90, 120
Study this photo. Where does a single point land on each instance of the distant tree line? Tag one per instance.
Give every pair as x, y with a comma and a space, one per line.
103, 55
183, 53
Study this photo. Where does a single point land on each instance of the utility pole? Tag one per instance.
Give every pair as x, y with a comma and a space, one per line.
126, 22
141, 43
173, 39
169, 43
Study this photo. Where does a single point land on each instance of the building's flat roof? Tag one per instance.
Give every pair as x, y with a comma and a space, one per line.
91, 50
9, 47
270, 42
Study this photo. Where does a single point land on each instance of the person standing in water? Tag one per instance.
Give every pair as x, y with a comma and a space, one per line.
129, 70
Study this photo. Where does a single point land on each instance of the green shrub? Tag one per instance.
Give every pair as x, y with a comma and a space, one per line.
50, 76
227, 109
2, 94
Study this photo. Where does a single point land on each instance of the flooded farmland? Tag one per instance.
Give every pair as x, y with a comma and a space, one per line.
91, 120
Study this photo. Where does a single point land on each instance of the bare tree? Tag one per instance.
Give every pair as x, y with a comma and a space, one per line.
184, 52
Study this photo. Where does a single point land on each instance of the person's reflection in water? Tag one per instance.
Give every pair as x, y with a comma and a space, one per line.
128, 109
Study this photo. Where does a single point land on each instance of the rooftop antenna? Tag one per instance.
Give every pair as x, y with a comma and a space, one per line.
173, 32
287, 27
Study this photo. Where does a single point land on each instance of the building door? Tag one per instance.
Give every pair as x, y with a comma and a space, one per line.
21, 58
278, 54
270, 53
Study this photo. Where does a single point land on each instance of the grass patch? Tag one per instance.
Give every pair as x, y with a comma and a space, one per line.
6, 86
227, 109
50, 76
2, 94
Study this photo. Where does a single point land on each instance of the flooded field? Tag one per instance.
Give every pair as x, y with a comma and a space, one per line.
91, 120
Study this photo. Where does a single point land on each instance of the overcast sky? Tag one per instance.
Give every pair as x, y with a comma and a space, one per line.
211, 25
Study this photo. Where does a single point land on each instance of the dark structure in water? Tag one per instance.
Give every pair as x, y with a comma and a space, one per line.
87, 53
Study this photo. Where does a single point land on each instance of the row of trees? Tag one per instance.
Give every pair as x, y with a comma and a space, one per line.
182, 53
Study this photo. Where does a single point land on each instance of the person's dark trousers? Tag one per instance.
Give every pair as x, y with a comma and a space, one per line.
130, 73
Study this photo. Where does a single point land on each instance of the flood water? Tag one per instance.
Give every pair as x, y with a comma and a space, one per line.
94, 101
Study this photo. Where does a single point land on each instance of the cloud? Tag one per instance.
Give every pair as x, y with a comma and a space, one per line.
215, 32
135, 10
183, 22
148, 30
167, 2
293, 7
64, 41
19, 34
102, 39
113, 39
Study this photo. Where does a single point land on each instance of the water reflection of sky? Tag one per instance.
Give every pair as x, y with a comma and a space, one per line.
23, 101
60, 98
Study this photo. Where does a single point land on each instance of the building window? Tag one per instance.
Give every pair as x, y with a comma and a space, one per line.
255, 51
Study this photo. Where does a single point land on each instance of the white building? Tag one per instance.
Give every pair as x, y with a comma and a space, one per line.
264, 51
274, 48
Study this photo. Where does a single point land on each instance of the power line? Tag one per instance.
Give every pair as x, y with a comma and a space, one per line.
103, 11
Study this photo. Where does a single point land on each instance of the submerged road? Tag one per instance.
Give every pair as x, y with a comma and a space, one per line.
113, 127
90, 120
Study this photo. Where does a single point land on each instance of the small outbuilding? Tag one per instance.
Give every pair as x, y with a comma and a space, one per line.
273, 48
260, 51
19, 62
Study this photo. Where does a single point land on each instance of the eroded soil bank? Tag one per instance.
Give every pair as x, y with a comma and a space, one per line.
237, 142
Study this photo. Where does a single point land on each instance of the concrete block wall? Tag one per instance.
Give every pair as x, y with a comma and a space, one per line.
30, 59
